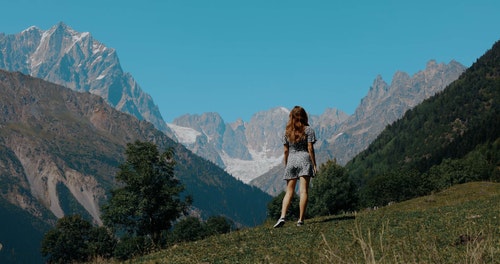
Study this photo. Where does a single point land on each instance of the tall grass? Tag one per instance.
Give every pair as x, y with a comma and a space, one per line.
458, 225
471, 248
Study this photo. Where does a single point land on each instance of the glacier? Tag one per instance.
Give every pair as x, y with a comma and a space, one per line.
247, 170
185, 135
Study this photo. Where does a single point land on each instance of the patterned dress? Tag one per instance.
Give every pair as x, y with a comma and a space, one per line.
299, 162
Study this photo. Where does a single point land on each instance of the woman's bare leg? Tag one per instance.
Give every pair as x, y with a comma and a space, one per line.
304, 189
290, 190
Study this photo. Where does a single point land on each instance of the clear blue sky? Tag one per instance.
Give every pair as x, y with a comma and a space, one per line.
240, 57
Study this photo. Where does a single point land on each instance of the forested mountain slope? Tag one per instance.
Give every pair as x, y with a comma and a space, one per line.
451, 138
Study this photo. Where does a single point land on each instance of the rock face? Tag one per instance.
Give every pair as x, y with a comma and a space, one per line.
384, 104
209, 129
76, 60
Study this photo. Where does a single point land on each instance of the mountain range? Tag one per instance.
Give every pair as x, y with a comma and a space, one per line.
49, 169
250, 151
246, 150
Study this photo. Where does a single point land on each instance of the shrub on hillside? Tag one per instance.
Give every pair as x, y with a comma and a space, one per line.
332, 191
132, 246
218, 225
192, 228
75, 240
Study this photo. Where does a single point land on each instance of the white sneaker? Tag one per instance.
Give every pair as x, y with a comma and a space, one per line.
280, 223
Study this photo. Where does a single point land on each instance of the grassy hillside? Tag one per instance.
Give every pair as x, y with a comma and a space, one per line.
458, 225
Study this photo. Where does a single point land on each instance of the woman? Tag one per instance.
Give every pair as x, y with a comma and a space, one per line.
300, 161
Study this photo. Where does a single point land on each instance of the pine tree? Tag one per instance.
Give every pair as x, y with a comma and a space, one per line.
148, 200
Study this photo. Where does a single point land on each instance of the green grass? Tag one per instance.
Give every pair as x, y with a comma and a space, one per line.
458, 225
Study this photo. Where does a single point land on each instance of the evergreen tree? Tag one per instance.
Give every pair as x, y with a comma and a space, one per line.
148, 201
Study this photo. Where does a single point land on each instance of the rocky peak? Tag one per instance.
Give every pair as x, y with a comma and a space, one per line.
265, 129
329, 117
399, 78
31, 33
378, 91
209, 124
238, 124
385, 104
379, 87
76, 60
327, 123
208, 140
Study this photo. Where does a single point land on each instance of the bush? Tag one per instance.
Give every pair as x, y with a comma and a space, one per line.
101, 243
218, 225
192, 228
332, 191
188, 229
131, 246
76, 240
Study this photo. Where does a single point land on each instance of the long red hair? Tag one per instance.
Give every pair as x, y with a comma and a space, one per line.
296, 126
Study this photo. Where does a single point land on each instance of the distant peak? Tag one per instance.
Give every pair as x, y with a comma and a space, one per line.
456, 64
378, 81
431, 63
61, 25
58, 27
238, 123
400, 75
284, 109
32, 28
379, 78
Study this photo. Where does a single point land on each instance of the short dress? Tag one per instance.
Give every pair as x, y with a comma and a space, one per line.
299, 162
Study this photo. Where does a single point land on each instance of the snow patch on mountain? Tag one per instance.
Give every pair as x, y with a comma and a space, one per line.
247, 170
185, 135
29, 29
76, 38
